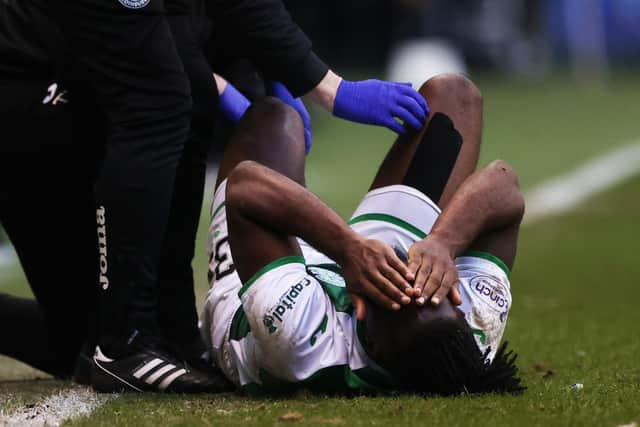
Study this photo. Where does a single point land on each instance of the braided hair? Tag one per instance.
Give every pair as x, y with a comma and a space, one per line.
451, 363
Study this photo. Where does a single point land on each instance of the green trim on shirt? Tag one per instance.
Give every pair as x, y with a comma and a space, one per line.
489, 257
390, 219
222, 205
240, 327
296, 259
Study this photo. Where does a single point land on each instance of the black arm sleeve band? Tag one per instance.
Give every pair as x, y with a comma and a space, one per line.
265, 33
435, 158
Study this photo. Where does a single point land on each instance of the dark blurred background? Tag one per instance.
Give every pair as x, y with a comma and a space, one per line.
522, 37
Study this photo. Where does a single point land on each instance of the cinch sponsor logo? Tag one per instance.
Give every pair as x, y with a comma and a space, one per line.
102, 246
491, 291
286, 303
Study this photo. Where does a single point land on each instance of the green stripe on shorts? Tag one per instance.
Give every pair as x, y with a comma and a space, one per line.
489, 257
267, 268
240, 327
390, 219
218, 209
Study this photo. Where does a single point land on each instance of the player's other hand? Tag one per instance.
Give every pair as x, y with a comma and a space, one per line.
436, 276
377, 102
282, 93
373, 270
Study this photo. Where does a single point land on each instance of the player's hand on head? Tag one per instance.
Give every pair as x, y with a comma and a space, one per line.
373, 270
380, 103
280, 91
436, 276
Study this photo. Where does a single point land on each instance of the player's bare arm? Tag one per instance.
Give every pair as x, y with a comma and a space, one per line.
273, 208
487, 201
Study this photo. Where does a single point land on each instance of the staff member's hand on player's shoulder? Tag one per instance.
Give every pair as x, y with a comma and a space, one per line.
431, 262
374, 102
372, 269
279, 90
233, 104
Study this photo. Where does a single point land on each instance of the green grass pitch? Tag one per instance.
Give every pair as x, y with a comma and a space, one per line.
574, 316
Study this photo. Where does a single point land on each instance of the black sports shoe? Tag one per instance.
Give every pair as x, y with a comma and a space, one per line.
151, 368
193, 352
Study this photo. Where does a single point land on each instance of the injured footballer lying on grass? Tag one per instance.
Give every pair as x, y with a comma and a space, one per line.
412, 295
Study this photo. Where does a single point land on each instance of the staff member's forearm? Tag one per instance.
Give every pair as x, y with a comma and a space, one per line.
490, 199
324, 94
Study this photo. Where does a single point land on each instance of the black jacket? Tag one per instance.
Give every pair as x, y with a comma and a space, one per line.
27, 38
260, 30
263, 31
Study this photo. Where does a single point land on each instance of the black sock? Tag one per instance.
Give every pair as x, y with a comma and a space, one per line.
435, 158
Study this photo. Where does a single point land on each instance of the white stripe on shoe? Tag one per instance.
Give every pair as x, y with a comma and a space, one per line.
160, 372
147, 367
100, 358
170, 379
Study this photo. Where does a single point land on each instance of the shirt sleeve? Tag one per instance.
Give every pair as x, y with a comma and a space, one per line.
265, 33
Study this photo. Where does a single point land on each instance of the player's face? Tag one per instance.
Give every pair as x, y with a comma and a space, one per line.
388, 330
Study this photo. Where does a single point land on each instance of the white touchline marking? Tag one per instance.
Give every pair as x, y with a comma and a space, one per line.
58, 408
7, 255
9, 266
566, 192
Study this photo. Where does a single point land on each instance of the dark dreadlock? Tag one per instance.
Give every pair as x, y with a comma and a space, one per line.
451, 363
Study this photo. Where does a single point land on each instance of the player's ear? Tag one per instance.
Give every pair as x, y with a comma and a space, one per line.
359, 305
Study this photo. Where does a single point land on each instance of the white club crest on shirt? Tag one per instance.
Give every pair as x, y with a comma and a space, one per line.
134, 4
328, 276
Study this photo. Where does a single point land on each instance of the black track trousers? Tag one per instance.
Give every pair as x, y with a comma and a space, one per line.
177, 307
47, 209
128, 57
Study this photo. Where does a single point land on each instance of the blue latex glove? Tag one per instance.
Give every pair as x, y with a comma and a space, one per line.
280, 91
377, 102
233, 104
